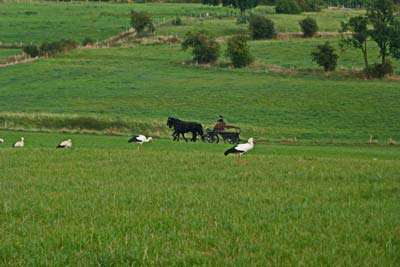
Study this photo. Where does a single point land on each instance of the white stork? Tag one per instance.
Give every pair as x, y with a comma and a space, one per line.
241, 149
65, 144
19, 143
1, 140
139, 140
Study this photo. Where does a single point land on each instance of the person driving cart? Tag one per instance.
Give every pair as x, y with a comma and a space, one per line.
220, 125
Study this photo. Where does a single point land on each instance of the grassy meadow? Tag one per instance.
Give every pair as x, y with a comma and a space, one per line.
9, 52
149, 83
175, 204
326, 200
38, 22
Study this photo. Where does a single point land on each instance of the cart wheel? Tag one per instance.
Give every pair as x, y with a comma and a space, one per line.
211, 138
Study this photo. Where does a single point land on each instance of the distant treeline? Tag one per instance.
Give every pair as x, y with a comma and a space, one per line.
338, 3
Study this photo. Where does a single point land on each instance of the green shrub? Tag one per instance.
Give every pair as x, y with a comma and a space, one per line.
243, 19
177, 21
262, 27
140, 20
238, 51
53, 48
287, 7
87, 41
325, 56
204, 48
308, 26
31, 50
309, 5
379, 71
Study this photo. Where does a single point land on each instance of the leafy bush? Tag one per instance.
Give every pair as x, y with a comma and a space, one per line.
262, 27
309, 5
140, 20
325, 56
177, 21
204, 48
287, 7
243, 19
87, 41
53, 48
31, 50
238, 51
379, 71
309, 26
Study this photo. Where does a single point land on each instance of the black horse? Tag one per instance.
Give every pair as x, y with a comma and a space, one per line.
182, 127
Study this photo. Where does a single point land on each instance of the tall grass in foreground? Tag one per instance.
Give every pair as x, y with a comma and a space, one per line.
175, 204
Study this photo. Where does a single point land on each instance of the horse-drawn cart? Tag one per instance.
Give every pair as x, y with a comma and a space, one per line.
231, 137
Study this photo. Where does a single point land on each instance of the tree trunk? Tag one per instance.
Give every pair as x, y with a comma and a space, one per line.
365, 54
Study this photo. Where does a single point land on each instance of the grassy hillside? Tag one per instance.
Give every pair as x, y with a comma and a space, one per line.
147, 83
9, 52
103, 203
35, 23
328, 21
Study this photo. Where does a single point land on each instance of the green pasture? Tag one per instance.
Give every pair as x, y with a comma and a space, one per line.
9, 52
185, 204
150, 83
328, 21
297, 53
38, 22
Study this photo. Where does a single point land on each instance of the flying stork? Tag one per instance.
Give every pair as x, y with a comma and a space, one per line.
139, 140
241, 149
65, 144
19, 143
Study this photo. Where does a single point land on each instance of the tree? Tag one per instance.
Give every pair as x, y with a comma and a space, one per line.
140, 20
262, 27
287, 7
238, 51
310, 5
211, 2
358, 27
325, 56
242, 5
204, 48
309, 26
395, 40
380, 14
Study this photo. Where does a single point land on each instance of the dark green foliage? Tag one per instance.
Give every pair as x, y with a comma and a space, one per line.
310, 5
211, 2
379, 70
238, 51
394, 45
287, 7
358, 26
309, 26
87, 41
262, 27
204, 48
380, 14
31, 50
140, 20
242, 5
242, 19
325, 56
53, 48
177, 21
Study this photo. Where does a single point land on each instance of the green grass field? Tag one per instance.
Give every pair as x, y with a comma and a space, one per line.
9, 52
38, 22
103, 203
177, 204
147, 83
